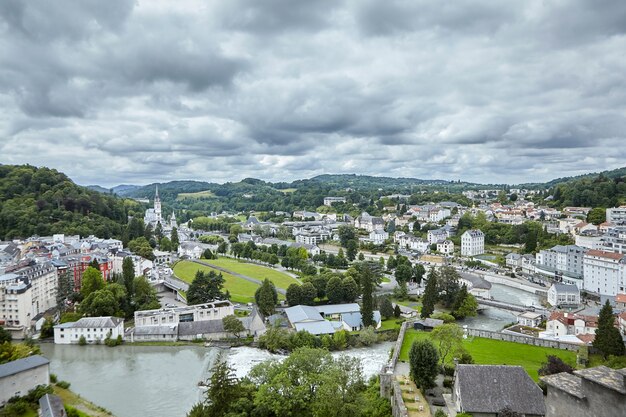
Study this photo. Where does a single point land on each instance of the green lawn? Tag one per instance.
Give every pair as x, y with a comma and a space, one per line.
390, 324
241, 291
496, 352
191, 196
280, 279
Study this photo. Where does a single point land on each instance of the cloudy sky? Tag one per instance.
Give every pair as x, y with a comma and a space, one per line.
123, 91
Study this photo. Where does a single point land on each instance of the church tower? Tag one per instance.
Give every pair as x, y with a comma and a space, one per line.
157, 206
173, 222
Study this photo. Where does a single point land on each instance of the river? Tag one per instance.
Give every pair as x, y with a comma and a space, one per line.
160, 381
492, 318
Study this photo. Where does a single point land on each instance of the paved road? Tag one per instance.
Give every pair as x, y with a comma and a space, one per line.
247, 278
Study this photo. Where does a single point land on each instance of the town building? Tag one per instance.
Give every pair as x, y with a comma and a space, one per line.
472, 243
93, 329
614, 240
16, 306
328, 319
570, 327
445, 247
369, 223
529, 318
22, 375
616, 215
563, 263
216, 310
328, 201
486, 390
436, 235
597, 392
563, 295
378, 236
604, 272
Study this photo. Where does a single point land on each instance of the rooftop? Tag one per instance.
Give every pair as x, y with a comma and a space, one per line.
610, 378
500, 386
21, 365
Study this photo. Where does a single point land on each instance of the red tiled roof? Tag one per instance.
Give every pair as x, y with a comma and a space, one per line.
620, 298
587, 338
603, 254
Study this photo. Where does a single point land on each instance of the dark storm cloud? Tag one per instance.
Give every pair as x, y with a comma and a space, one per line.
140, 91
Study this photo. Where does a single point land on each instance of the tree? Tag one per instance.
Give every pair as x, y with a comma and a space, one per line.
423, 361
349, 289
608, 339
174, 239
430, 294
554, 365
346, 233
531, 241
386, 309
351, 249
224, 389
144, 295
469, 307
596, 215
449, 339
92, 281
334, 290
396, 311
460, 298
65, 289
47, 329
5, 336
367, 302
233, 325
294, 295
128, 274
205, 288
418, 273
404, 273
165, 244
448, 282
266, 297
99, 303
307, 294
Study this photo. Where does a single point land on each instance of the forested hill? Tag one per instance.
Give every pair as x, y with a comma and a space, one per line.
43, 201
614, 173
595, 191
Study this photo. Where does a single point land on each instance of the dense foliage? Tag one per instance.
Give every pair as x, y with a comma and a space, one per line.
309, 383
43, 201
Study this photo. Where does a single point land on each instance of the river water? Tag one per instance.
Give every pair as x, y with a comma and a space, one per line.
161, 381
495, 319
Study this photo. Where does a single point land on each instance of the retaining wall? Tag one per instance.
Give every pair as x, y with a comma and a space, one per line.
527, 340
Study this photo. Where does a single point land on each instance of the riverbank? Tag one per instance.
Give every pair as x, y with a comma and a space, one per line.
74, 400
515, 283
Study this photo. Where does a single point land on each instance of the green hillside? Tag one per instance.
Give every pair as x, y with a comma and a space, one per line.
43, 201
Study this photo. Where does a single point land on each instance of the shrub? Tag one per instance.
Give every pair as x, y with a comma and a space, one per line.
63, 384
448, 382
53, 378
440, 413
82, 341
447, 318
367, 337
466, 359
448, 370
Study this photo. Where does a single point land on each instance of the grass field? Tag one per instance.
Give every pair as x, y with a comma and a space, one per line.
241, 291
191, 196
496, 352
255, 271
287, 190
391, 324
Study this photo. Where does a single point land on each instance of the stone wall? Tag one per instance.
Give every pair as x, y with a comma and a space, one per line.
387, 371
527, 340
398, 409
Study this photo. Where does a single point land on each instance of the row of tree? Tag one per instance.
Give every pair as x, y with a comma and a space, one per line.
443, 287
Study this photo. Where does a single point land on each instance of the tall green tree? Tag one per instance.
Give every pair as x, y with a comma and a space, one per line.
92, 281
349, 290
367, 290
386, 308
418, 273
206, 287
448, 283
307, 294
530, 246
403, 273
144, 295
334, 290
430, 294
128, 275
423, 362
99, 303
65, 288
608, 339
352, 247
449, 339
294, 295
175, 240
266, 297
346, 233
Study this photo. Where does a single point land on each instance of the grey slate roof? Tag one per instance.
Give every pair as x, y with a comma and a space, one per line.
51, 406
610, 378
316, 327
499, 386
565, 287
171, 330
97, 322
192, 328
338, 308
428, 322
566, 382
301, 313
21, 365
